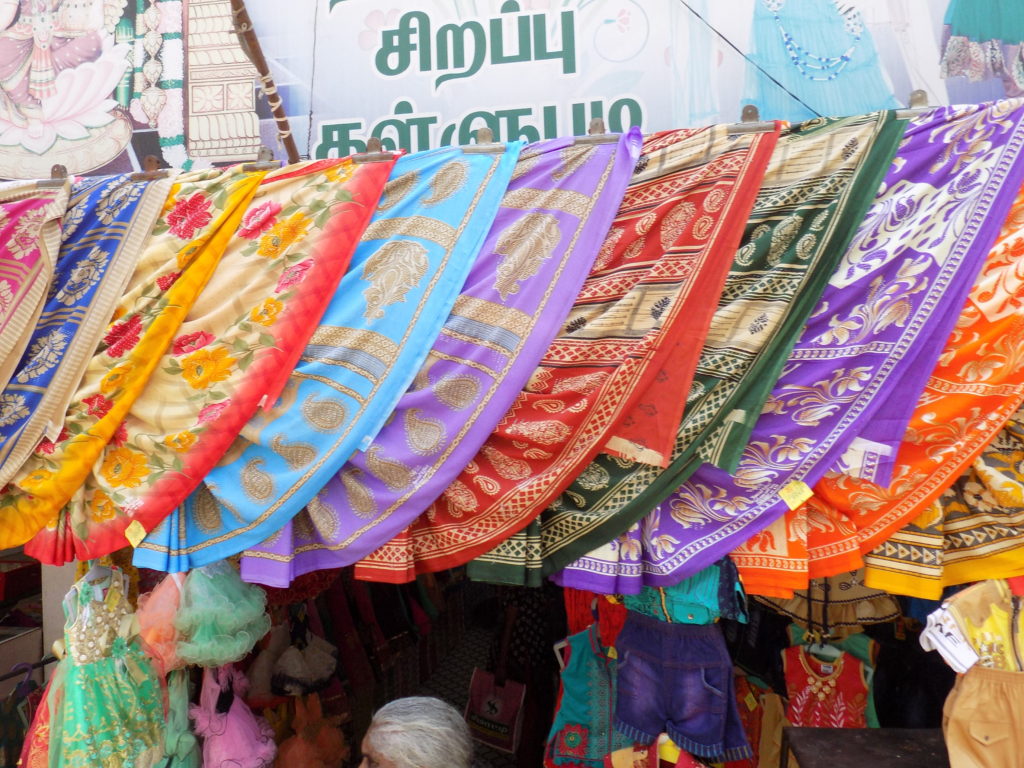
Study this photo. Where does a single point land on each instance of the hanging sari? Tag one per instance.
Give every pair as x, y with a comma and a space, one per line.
30, 234
666, 253
103, 232
818, 183
390, 306
973, 531
233, 351
198, 219
952, 184
553, 218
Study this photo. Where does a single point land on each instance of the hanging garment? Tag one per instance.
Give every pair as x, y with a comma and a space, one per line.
842, 604
882, 319
35, 752
825, 694
181, 747
317, 743
197, 221
102, 234
30, 233
556, 211
703, 598
157, 610
105, 703
661, 260
819, 183
982, 41
239, 340
375, 334
233, 737
982, 717
989, 617
582, 732
823, 56
977, 385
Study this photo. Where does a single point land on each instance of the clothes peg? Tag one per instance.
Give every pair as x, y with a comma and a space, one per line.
750, 122
264, 161
596, 134
916, 104
151, 170
58, 177
485, 143
374, 152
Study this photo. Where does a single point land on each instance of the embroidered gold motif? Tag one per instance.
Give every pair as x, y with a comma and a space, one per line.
524, 247
446, 182
604, 256
395, 191
573, 158
675, 221
703, 227
487, 485
302, 527
529, 199
423, 227
536, 454
343, 337
594, 478
423, 435
540, 380
394, 474
359, 497
322, 516
422, 378
715, 200
296, 454
458, 392
584, 384
506, 466
492, 313
394, 270
459, 498
527, 162
206, 510
324, 415
645, 223
257, 484
543, 432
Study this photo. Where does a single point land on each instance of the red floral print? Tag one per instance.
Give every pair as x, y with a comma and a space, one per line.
98, 405
165, 282
123, 336
213, 411
190, 342
258, 220
188, 215
294, 275
120, 436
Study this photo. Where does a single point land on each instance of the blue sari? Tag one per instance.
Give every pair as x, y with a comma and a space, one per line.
407, 272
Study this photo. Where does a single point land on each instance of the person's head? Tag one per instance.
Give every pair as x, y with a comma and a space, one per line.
417, 732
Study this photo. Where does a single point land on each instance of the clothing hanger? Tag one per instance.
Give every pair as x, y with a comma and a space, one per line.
750, 122
916, 105
264, 161
58, 178
485, 143
817, 642
374, 152
596, 134
151, 170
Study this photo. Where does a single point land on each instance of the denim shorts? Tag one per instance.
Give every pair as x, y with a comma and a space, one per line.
678, 679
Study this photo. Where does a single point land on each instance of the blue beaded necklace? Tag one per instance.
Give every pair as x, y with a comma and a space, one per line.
817, 68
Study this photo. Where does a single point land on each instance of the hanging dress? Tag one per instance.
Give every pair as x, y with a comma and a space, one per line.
403, 280
818, 184
825, 694
650, 284
240, 338
102, 235
198, 220
555, 213
106, 708
877, 330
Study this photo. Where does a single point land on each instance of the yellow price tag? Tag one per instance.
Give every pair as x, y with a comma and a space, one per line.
612, 653
135, 533
795, 493
750, 701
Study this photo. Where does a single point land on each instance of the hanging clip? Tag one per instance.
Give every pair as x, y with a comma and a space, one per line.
264, 162
58, 177
485, 143
151, 170
750, 122
374, 152
916, 104
596, 134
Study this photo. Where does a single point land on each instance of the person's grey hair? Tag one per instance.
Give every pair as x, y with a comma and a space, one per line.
421, 732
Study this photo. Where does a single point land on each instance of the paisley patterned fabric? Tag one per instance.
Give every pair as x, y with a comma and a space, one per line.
240, 338
651, 281
198, 219
894, 292
818, 183
375, 334
103, 233
973, 531
555, 214
30, 233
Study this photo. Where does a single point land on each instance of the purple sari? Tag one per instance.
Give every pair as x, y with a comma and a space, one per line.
866, 351
552, 221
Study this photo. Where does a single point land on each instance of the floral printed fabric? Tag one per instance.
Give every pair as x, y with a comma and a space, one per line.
661, 259
198, 219
241, 337
104, 231
543, 242
391, 304
30, 233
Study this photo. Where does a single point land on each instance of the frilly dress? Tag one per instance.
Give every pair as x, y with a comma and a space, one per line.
233, 737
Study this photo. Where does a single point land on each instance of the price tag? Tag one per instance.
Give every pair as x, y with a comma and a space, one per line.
135, 533
612, 653
750, 701
795, 493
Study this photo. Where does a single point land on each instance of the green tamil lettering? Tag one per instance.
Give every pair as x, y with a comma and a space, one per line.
398, 45
453, 37
513, 129
403, 130
634, 115
523, 48
467, 131
550, 113
338, 136
540, 41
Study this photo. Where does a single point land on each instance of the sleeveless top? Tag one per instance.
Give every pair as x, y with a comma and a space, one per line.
831, 694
